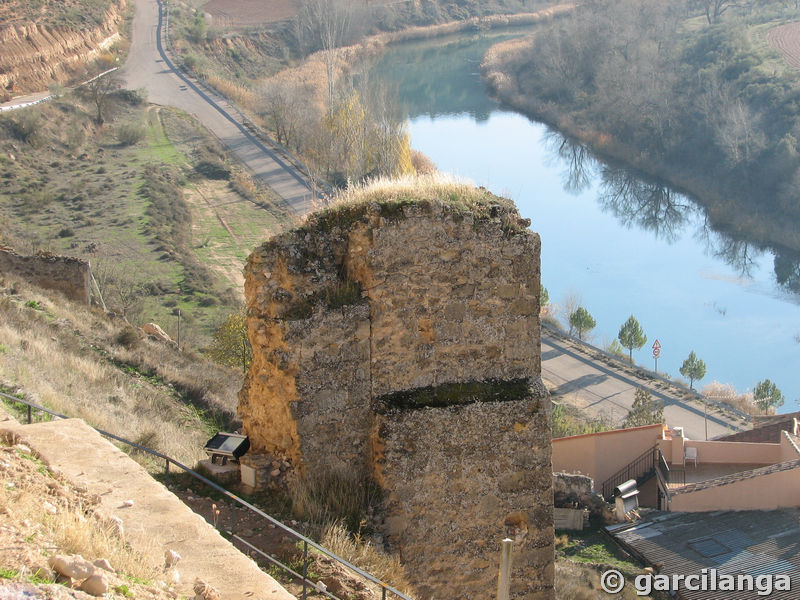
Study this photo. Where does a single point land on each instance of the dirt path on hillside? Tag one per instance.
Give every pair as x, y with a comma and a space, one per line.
786, 40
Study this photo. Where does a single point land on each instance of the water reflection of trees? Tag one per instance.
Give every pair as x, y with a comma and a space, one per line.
579, 163
652, 206
736, 253
436, 78
655, 207
787, 271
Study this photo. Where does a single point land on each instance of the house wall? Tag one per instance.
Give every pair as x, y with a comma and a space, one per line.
747, 494
600, 455
729, 452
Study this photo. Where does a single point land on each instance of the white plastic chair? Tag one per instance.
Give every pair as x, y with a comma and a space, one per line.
690, 453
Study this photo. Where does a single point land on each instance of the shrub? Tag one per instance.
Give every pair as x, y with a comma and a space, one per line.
66, 232
128, 338
213, 170
129, 134
25, 125
331, 495
133, 97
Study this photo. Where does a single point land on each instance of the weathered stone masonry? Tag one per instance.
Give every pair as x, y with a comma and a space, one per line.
403, 340
65, 274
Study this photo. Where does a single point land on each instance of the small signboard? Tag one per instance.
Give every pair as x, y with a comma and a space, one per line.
656, 349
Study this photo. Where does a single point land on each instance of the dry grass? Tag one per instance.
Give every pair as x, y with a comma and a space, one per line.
239, 94
363, 554
66, 357
460, 194
725, 392
332, 495
71, 526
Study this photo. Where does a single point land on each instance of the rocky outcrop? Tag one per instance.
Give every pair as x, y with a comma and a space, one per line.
398, 336
34, 55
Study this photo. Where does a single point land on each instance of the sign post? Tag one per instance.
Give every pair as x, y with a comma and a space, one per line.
656, 353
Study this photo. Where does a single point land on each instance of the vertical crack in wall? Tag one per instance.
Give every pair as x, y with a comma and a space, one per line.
449, 304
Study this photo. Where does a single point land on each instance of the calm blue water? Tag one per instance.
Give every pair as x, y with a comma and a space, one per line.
620, 245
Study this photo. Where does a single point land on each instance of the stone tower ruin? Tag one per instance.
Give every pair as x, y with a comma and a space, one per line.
399, 337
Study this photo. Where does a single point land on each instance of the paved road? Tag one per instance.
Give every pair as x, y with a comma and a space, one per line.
603, 388
150, 68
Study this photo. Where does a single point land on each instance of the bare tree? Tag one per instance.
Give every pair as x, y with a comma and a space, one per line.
99, 89
324, 25
569, 304
714, 9
282, 112
734, 123
389, 152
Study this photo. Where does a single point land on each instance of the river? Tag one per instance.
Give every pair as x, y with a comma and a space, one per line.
618, 244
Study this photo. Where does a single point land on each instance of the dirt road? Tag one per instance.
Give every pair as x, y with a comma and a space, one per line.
150, 67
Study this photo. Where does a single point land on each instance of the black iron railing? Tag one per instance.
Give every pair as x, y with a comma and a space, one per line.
306, 543
640, 469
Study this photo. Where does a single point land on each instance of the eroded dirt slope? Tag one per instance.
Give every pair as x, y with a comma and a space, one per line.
43, 41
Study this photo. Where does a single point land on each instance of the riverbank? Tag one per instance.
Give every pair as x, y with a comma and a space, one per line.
311, 75
728, 212
292, 104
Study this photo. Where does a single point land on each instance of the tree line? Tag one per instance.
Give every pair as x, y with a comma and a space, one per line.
699, 101
631, 336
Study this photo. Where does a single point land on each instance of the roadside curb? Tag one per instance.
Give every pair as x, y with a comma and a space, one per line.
645, 373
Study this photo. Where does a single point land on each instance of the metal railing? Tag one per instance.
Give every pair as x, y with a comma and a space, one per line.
637, 469
307, 544
662, 476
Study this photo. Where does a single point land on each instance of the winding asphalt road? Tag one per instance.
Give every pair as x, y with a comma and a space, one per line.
149, 66
573, 372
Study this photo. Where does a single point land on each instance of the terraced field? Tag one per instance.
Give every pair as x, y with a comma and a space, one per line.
786, 39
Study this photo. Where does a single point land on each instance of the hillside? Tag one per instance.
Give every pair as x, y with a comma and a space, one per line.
709, 108
83, 363
141, 197
48, 41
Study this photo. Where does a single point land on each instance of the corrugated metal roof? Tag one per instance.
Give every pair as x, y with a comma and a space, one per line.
732, 542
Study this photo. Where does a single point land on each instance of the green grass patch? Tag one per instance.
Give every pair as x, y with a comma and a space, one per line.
455, 394
40, 466
125, 210
160, 147
124, 590
592, 547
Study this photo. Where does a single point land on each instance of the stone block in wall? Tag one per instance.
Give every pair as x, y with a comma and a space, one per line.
460, 479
